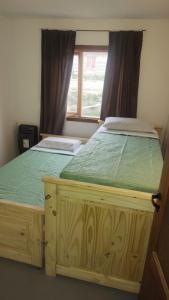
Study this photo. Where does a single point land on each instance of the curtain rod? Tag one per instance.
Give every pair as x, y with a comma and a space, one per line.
96, 30
103, 30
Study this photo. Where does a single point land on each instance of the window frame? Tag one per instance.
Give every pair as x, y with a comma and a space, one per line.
79, 49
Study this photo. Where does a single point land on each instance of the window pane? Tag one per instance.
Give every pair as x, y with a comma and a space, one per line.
73, 87
94, 65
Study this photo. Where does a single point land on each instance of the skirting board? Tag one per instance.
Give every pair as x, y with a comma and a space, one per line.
108, 281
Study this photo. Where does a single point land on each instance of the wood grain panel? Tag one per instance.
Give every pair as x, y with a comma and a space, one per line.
113, 233
96, 234
69, 233
105, 198
109, 281
89, 237
13, 233
137, 244
21, 233
96, 187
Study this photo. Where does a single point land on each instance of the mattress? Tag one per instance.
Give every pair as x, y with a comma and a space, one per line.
118, 160
21, 179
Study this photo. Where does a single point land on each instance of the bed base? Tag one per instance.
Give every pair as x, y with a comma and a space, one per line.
21, 232
96, 233
22, 228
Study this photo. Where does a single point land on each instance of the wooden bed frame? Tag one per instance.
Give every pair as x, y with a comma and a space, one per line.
22, 230
96, 233
92, 232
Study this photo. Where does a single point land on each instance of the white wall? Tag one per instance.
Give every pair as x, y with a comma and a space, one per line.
8, 109
24, 61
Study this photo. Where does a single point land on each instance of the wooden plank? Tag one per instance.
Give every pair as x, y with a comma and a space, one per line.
21, 232
37, 237
96, 237
109, 281
102, 198
50, 229
13, 234
97, 187
138, 238
119, 242
89, 238
11, 204
107, 240
14, 255
69, 229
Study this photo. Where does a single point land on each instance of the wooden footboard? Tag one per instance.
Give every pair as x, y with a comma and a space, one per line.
96, 233
21, 232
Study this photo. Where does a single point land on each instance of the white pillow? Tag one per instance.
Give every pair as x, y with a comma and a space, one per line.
60, 143
127, 124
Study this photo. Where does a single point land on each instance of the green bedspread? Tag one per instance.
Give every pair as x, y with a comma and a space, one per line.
117, 160
21, 179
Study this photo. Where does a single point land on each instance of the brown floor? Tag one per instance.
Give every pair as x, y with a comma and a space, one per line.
22, 282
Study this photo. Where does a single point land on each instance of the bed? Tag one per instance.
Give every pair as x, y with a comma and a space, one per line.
98, 221
22, 204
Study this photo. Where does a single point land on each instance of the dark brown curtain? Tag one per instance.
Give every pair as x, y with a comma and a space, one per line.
57, 58
122, 74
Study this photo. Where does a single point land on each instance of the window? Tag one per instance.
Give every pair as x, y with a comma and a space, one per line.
86, 84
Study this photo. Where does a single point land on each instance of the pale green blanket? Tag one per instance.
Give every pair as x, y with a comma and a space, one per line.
118, 160
21, 179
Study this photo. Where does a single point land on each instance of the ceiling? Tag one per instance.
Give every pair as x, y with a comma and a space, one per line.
87, 8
